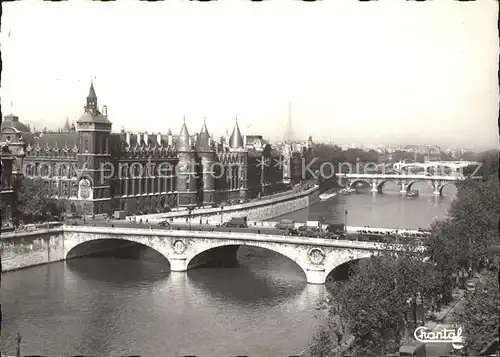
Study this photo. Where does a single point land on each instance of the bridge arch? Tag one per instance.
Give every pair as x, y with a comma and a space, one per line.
353, 182
446, 184
342, 271
380, 185
339, 257
225, 253
92, 244
410, 185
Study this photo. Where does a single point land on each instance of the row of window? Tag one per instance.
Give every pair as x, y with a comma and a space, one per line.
144, 186
52, 153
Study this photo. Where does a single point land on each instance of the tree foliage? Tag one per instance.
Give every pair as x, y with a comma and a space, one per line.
34, 201
481, 316
465, 238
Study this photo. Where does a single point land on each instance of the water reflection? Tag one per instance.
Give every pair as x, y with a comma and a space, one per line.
389, 209
105, 305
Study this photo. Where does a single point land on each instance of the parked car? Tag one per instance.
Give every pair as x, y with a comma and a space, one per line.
164, 224
236, 222
470, 286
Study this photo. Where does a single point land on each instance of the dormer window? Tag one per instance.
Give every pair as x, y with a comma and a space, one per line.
8, 139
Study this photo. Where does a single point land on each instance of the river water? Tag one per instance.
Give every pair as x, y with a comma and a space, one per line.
109, 305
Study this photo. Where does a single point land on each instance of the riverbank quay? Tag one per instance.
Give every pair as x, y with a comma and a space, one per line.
263, 209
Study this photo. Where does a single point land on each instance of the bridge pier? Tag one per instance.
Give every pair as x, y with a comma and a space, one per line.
178, 264
374, 185
404, 188
436, 189
316, 276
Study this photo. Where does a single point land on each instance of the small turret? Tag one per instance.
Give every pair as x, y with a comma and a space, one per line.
184, 140
236, 140
203, 140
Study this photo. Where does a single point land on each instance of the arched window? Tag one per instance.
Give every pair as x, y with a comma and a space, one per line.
86, 145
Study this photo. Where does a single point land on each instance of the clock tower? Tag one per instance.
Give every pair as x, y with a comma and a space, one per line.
94, 174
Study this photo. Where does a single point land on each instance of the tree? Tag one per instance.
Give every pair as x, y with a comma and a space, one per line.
481, 316
371, 308
34, 201
462, 241
333, 339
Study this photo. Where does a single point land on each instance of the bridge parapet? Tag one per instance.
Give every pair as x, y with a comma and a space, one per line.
317, 257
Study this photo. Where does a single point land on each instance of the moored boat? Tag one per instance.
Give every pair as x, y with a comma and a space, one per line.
347, 191
327, 195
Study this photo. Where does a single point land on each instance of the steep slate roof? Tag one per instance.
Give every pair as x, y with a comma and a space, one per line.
88, 117
93, 115
12, 121
236, 140
182, 142
203, 142
54, 140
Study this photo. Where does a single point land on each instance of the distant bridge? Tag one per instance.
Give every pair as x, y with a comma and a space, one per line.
183, 249
455, 166
405, 182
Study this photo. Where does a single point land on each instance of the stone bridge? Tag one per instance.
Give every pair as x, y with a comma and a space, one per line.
453, 166
405, 182
183, 249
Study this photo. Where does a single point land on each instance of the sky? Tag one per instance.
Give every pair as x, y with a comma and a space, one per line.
383, 72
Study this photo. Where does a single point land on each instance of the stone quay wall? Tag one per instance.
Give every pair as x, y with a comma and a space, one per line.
261, 210
26, 249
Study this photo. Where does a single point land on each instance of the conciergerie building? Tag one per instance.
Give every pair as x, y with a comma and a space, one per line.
96, 171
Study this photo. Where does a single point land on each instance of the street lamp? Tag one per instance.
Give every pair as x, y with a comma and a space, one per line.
18, 344
345, 220
221, 208
189, 212
84, 212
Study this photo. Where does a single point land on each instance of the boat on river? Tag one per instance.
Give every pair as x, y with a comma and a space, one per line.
327, 195
347, 191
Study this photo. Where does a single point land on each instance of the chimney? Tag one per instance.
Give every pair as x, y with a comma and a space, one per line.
227, 138
127, 136
158, 138
105, 110
146, 138
209, 142
138, 138
244, 141
170, 139
195, 138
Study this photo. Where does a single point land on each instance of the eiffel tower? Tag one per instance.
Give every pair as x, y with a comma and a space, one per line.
289, 134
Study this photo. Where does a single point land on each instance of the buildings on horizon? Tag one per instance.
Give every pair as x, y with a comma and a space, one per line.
97, 171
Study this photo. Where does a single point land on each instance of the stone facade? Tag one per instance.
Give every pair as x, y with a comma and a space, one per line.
183, 249
7, 195
98, 171
296, 156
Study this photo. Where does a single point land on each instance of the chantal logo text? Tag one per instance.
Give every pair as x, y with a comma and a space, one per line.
453, 336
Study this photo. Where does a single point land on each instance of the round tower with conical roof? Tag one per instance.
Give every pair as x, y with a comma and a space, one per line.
186, 170
238, 149
206, 153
